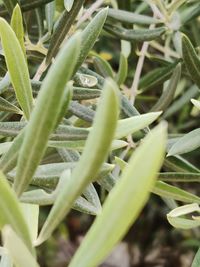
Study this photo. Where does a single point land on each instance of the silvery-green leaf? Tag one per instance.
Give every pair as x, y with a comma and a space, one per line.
45, 114
17, 67
96, 150
18, 250
187, 143
11, 212
191, 60
124, 202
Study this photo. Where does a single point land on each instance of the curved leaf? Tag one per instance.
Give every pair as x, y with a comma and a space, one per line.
96, 150
124, 203
17, 67
45, 114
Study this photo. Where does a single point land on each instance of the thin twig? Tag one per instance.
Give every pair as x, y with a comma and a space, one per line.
90, 11
40, 70
139, 67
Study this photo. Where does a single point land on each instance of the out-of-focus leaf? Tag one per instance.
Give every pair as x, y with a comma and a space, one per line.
175, 219
49, 13
9, 159
25, 6
196, 103
189, 13
17, 67
9, 107
31, 214
124, 203
79, 145
18, 251
96, 150
10, 4
45, 114
4, 147
68, 4
11, 212
196, 261
187, 143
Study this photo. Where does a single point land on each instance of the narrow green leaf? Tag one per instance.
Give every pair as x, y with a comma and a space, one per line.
45, 114
130, 17
84, 93
63, 132
179, 164
31, 214
123, 70
102, 67
191, 60
96, 150
17, 67
90, 35
9, 159
155, 77
134, 124
17, 26
196, 261
42, 198
183, 100
17, 249
179, 177
168, 94
47, 175
62, 29
79, 145
9, 107
134, 35
187, 143
124, 203
165, 190
82, 111
11, 212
